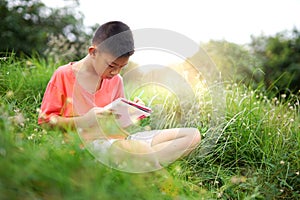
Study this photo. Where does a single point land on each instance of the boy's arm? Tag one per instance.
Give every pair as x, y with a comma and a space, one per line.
87, 120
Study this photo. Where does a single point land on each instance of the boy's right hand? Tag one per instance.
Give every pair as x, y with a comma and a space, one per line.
90, 118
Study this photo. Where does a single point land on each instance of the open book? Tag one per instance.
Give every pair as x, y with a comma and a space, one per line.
128, 112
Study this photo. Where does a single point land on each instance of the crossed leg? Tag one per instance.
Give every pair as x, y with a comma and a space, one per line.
172, 144
165, 147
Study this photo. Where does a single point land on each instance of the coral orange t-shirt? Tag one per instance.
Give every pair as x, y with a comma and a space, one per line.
65, 97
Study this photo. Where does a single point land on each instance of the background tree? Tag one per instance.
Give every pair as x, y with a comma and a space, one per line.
235, 62
280, 56
26, 26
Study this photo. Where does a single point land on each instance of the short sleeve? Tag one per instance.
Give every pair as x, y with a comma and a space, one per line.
52, 103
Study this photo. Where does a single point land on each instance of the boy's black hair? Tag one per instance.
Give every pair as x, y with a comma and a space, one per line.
114, 37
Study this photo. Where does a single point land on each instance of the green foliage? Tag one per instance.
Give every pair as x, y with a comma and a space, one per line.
273, 59
26, 26
24, 80
280, 55
235, 62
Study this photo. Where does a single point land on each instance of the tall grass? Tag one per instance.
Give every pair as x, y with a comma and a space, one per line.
256, 155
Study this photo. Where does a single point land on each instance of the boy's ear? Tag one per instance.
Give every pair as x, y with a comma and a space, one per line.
92, 50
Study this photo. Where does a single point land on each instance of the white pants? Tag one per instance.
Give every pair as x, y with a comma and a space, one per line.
102, 145
145, 136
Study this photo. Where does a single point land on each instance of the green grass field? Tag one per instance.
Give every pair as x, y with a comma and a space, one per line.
256, 154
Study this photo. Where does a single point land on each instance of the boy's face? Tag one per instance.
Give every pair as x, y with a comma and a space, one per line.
107, 65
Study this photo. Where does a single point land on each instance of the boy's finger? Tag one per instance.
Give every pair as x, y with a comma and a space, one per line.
101, 111
138, 100
117, 116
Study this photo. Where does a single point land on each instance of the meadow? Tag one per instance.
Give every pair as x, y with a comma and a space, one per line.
255, 156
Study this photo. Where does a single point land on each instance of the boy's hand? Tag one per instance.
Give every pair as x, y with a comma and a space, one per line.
90, 118
99, 112
138, 100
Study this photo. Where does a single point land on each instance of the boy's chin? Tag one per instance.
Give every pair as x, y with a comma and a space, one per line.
108, 77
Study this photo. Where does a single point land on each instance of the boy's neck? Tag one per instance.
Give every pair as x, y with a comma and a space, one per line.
86, 75
84, 65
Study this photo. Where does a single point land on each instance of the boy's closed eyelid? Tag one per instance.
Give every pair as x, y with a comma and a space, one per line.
115, 67
110, 66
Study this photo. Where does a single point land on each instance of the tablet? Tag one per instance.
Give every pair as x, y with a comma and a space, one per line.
128, 112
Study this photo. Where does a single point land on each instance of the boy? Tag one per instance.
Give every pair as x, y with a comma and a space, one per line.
78, 91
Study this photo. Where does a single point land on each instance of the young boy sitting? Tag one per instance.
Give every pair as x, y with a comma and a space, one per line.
78, 91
